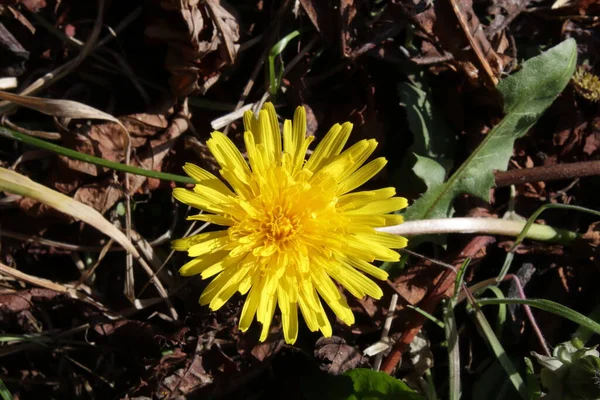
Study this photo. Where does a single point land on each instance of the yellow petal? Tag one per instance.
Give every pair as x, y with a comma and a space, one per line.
331, 145
208, 246
229, 288
223, 264
199, 264
361, 176
366, 267
226, 153
383, 239
361, 199
213, 219
273, 133
190, 241
289, 313
206, 178
265, 316
249, 309
382, 206
197, 201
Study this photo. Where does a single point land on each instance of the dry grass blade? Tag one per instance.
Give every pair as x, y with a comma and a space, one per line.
58, 108
16, 183
32, 280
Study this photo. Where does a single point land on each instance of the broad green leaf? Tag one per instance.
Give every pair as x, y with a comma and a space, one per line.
431, 172
373, 385
358, 384
432, 137
527, 94
433, 141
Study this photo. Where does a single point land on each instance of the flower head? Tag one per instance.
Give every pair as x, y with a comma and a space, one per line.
293, 227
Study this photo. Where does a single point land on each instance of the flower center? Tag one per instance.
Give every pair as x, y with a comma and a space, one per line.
279, 226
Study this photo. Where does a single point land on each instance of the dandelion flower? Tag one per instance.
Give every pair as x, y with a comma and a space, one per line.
293, 227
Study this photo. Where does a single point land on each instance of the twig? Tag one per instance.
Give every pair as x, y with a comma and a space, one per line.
550, 173
386, 329
489, 76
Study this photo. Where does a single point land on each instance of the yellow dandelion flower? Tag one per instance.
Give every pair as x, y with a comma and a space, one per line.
293, 227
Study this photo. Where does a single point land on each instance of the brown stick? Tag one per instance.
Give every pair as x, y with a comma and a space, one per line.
552, 173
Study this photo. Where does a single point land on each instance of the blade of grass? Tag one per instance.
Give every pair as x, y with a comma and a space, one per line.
583, 333
20, 137
497, 348
426, 315
550, 306
4, 392
501, 309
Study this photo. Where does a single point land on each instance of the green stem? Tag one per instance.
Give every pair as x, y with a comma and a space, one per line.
20, 137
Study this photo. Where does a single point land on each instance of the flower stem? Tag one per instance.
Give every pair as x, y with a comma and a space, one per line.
491, 226
20, 137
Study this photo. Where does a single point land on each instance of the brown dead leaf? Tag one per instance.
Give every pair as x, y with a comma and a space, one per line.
186, 380
341, 356
266, 349
348, 24
593, 234
106, 140
19, 308
459, 32
153, 137
592, 143
201, 39
99, 195
23, 300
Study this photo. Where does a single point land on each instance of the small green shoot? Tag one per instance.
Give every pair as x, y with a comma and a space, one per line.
274, 75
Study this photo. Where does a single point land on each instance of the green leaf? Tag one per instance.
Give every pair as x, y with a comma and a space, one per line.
527, 94
373, 385
432, 136
359, 384
433, 140
431, 172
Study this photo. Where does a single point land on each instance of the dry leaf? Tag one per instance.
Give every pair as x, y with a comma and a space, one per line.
201, 39
341, 356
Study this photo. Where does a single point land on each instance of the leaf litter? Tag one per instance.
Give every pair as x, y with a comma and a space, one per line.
419, 77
